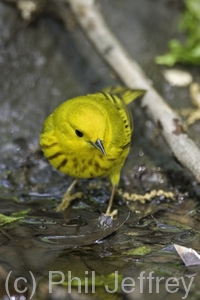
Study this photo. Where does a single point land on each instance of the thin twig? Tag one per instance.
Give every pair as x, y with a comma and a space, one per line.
88, 15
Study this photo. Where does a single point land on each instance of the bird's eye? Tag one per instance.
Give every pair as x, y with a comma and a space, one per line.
78, 133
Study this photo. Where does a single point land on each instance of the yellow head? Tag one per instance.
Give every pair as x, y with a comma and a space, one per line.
80, 126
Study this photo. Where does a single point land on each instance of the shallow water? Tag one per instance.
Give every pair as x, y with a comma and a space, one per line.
41, 66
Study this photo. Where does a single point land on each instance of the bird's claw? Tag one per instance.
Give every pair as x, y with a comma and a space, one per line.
112, 214
67, 198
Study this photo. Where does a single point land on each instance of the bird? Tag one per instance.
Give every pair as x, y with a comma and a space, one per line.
90, 136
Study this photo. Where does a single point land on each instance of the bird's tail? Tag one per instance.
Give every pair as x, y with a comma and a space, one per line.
127, 95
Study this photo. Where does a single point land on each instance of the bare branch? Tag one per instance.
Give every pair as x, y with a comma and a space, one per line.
89, 17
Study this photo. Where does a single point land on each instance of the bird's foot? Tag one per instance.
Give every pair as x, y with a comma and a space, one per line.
112, 214
67, 198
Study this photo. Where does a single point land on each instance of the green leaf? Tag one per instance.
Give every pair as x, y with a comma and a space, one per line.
143, 250
21, 213
189, 51
6, 220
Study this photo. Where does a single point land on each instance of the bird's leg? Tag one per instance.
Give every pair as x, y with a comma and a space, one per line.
67, 198
108, 211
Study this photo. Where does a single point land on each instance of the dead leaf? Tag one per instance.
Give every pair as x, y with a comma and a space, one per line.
188, 255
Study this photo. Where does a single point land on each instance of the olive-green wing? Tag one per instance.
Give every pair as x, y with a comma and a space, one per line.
120, 97
127, 95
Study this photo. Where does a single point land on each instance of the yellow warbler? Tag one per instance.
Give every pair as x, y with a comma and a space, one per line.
89, 136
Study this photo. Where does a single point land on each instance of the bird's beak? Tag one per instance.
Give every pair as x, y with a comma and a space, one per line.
99, 145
